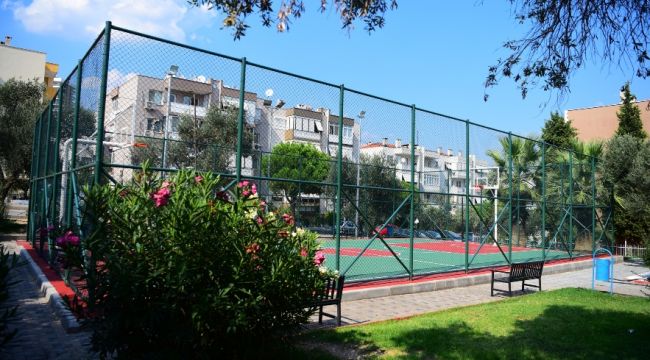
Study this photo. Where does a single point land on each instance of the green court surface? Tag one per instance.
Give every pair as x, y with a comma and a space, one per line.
429, 256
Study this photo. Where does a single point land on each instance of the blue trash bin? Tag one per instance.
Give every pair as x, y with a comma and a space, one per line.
602, 269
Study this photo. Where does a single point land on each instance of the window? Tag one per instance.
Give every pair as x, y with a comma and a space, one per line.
154, 125
172, 98
458, 183
430, 162
174, 123
334, 129
347, 131
431, 180
155, 97
114, 103
319, 126
187, 100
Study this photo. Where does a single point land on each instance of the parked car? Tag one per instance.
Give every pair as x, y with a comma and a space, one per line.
401, 233
452, 235
348, 228
432, 234
388, 230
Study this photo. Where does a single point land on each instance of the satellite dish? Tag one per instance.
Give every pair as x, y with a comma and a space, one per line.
268, 92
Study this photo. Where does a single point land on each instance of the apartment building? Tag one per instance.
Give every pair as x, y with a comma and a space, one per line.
436, 172
601, 122
147, 107
26, 65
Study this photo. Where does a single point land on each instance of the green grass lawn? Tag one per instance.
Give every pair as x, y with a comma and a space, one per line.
562, 324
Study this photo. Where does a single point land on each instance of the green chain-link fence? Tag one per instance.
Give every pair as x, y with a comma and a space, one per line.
392, 189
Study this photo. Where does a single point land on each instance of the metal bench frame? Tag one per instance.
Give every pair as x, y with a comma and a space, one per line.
332, 294
519, 272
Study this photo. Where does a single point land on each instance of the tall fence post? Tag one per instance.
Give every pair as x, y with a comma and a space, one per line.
240, 119
73, 150
571, 239
99, 147
466, 197
593, 204
339, 178
55, 184
543, 201
510, 197
45, 206
33, 174
412, 209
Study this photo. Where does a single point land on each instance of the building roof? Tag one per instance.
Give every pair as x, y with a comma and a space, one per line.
22, 49
601, 122
375, 145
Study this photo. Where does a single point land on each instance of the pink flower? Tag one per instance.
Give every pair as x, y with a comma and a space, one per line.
303, 252
166, 184
288, 219
243, 184
245, 193
319, 258
252, 248
68, 239
222, 195
72, 239
259, 220
254, 189
198, 178
161, 197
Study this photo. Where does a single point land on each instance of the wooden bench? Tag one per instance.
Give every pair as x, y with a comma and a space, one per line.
520, 272
331, 295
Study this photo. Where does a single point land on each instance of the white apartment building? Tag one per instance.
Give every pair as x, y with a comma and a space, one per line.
151, 107
436, 172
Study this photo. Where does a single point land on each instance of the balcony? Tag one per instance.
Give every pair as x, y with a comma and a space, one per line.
292, 134
347, 140
178, 108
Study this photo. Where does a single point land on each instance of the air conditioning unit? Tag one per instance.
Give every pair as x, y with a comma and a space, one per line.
149, 105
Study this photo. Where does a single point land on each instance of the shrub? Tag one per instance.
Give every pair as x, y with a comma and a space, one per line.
7, 313
185, 271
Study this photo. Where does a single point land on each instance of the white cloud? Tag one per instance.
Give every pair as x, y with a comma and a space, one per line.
74, 18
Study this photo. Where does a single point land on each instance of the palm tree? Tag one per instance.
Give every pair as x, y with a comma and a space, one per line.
525, 154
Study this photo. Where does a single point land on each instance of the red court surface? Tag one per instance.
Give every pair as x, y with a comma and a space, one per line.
356, 252
458, 247
52, 276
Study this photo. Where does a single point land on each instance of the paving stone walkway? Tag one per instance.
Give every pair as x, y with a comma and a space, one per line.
398, 306
41, 335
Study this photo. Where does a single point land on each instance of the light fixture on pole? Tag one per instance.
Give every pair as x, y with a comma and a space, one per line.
361, 115
173, 71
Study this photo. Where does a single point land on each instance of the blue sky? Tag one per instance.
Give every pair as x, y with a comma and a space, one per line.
434, 54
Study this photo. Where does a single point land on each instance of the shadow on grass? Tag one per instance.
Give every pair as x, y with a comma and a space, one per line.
560, 332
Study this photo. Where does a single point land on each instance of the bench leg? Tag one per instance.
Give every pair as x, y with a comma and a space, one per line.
338, 314
540, 283
492, 285
320, 315
509, 289
523, 283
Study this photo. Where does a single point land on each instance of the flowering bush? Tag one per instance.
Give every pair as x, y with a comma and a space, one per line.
185, 271
69, 244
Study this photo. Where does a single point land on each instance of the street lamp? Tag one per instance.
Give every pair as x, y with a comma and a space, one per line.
268, 103
173, 70
361, 116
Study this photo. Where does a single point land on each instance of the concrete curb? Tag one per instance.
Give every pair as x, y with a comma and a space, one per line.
52, 297
463, 281
9, 237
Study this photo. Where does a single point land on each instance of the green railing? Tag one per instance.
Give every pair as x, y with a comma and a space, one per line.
384, 208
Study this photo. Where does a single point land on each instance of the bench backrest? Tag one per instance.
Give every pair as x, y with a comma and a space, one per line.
333, 289
524, 271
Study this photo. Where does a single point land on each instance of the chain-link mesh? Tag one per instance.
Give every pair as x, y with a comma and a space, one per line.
392, 190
